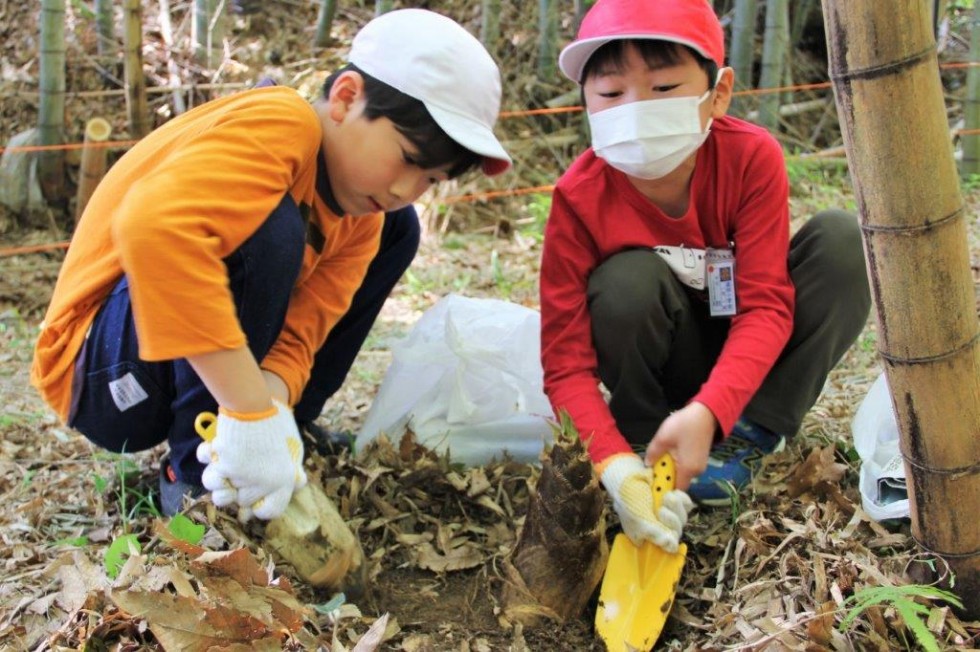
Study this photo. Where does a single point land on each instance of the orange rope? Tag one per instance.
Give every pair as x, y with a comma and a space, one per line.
490, 194
560, 109
32, 249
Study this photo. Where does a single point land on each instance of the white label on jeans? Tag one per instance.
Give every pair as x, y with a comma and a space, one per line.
127, 392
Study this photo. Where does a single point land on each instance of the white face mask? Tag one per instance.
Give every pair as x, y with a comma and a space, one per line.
649, 139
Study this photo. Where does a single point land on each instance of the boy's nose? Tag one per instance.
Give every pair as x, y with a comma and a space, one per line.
409, 185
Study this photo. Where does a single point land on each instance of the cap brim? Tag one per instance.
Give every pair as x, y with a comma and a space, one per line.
576, 54
474, 136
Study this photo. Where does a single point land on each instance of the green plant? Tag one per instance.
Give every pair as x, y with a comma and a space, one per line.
186, 530
133, 502
499, 278
538, 209
118, 552
904, 600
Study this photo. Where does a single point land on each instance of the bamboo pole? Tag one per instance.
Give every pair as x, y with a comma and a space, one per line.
743, 50
970, 164
775, 52
547, 40
207, 32
889, 98
97, 130
137, 107
51, 113
106, 44
173, 71
490, 24
324, 20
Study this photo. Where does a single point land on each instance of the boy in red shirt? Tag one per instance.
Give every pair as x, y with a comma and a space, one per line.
668, 273
217, 256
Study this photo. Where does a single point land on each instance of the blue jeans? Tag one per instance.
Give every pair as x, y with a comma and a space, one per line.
262, 273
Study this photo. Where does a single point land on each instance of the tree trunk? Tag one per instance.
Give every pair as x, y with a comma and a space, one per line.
93, 166
51, 113
971, 141
742, 53
490, 24
561, 551
890, 101
775, 53
324, 21
207, 32
547, 40
137, 107
106, 43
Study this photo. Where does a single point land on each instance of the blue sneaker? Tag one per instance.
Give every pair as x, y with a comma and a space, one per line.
733, 462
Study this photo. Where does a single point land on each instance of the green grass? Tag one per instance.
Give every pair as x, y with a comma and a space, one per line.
907, 603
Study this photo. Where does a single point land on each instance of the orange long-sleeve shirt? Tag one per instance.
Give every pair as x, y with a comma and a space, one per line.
173, 207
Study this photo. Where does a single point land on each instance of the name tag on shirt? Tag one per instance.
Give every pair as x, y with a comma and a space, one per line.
720, 268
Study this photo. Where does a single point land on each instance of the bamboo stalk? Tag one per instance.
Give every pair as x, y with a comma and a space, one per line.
328, 8
775, 52
208, 32
971, 109
173, 72
106, 44
490, 24
51, 113
547, 64
743, 50
887, 86
137, 107
97, 130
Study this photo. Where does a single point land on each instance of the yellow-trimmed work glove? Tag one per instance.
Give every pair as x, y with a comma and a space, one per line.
255, 460
630, 484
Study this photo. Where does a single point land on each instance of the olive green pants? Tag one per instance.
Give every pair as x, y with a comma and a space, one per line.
656, 343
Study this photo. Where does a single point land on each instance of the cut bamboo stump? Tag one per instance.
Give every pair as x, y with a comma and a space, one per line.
312, 536
561, 552
97, 130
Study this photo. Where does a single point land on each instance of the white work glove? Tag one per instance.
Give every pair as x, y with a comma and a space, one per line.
630, 484
255, 460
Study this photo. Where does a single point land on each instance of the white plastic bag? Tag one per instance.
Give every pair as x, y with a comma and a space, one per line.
468, 379
884, 494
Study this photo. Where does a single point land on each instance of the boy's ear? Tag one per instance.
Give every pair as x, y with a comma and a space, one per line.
346, 90
723, 93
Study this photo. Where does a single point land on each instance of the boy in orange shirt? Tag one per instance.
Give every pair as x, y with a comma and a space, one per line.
218, 255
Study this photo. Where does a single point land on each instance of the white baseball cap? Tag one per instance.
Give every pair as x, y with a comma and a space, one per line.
435, 60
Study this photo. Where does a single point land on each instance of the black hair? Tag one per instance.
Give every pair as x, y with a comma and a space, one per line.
410, 117
656, 53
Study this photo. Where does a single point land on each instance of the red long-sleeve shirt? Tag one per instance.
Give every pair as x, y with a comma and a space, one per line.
738, 194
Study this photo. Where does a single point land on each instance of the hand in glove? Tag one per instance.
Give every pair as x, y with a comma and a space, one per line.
630, 484
255, 460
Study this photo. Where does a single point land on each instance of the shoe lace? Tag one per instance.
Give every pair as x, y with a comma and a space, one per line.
731, 447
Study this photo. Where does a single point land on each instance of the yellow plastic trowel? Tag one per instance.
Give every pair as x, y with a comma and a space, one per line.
639, 585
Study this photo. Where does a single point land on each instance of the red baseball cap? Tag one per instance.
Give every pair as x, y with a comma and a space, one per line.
689, 22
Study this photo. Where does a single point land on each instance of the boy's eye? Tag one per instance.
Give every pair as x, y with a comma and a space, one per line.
410, 159
610, 94
666, 88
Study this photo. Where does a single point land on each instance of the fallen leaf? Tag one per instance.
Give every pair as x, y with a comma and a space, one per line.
463, 557
816, 473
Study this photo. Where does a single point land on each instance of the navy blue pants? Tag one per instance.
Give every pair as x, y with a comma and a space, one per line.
261, 274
